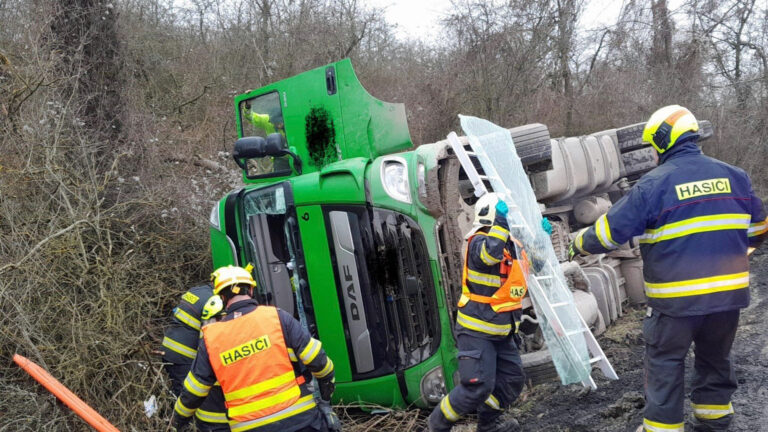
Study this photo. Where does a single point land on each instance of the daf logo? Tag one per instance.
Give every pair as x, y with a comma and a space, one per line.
351, 292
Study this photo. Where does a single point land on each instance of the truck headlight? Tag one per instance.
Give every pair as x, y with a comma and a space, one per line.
214, 218
394, 178
433, 386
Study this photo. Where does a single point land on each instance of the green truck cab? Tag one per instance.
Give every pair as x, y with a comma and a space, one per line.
343, 225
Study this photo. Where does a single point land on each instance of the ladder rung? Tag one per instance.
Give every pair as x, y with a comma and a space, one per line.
595, 360
471, 153
543, 277
574, 332
561, 304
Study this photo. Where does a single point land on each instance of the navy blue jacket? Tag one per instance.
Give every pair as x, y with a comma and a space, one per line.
695, 217
484, 254
180, 346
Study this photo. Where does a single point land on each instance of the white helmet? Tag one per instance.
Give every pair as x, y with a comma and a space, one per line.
485, 209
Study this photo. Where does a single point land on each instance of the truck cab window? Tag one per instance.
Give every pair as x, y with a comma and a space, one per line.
262, 116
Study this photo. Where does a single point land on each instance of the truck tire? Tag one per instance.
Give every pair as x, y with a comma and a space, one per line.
638, 162
534, 147
538, 367
631, 137
705, 130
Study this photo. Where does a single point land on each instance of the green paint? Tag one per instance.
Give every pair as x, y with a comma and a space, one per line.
343, 138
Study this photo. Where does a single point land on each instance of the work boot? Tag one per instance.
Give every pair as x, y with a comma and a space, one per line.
498, 424
438, 422
711, 425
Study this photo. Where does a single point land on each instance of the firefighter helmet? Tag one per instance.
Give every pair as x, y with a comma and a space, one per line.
485, 209
231, 276
666, 125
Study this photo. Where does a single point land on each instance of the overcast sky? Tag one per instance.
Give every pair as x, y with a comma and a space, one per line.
420, 19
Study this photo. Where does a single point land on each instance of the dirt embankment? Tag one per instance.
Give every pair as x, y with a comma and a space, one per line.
618, 405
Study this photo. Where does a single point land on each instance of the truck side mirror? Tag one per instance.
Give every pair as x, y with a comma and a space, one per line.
259, 147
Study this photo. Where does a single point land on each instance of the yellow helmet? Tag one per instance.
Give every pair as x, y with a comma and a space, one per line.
231, 275
485, 209
666, 125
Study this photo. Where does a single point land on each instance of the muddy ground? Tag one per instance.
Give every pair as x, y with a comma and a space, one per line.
617, 406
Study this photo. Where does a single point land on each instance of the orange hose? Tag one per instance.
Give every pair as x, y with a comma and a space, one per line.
65, 395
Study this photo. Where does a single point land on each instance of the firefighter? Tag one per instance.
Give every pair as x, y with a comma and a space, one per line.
695, 218
254, 354
493, 285
197, 306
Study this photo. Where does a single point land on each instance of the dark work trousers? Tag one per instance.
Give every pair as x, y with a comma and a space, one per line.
491, 377
667, 340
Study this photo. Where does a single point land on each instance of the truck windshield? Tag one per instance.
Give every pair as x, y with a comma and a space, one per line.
386, 287
273, 246
262, 116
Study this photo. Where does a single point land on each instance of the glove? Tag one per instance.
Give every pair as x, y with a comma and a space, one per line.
327, 386
332, 421
502, 209
571, 252
546, 226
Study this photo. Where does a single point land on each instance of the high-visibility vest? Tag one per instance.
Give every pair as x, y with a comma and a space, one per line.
250, 359
509, 296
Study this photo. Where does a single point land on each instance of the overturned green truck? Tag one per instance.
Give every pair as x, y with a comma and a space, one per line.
359, 235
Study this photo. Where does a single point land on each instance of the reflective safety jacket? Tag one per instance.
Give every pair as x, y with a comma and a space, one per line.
180, 346
256, 353
182, 337
493, 284
695, 217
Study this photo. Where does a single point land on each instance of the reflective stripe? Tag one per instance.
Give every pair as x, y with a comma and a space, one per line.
326, 370
579, 242
487, 258
303, 404
179, 348
260, 388
603, 232
260, 404
499, 233
691, 287
447, 409
182, 410
730, 221
292, 355
758, 228
653, 426
711, 412
211, 417
475, 324
186, 318
483, 278
310, 351
493, 402
196, 387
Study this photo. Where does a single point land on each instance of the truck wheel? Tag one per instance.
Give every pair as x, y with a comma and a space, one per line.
631, 137
538, 367
638, 162
534, 147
